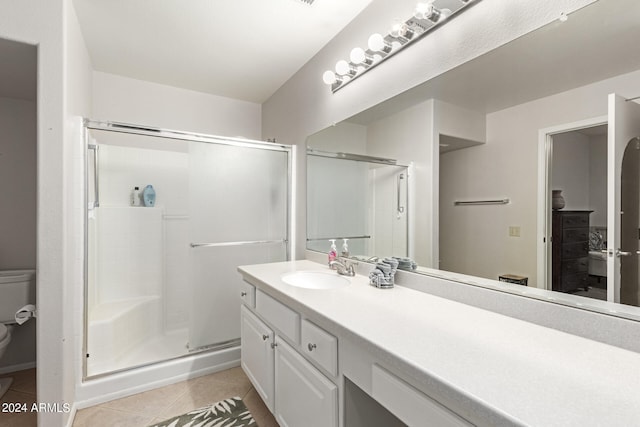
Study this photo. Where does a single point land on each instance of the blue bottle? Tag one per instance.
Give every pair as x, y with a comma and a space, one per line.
149, 196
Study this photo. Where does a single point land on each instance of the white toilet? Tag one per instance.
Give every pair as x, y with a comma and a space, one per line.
17, 289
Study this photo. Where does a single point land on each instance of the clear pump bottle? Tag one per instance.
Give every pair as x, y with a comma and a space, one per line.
333, 252
345, 248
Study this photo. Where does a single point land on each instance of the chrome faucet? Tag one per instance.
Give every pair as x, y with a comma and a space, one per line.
344, 266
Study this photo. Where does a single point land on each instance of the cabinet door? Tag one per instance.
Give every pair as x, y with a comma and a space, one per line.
257, 355
304, 397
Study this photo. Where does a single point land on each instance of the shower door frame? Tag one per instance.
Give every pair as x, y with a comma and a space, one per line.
128, 128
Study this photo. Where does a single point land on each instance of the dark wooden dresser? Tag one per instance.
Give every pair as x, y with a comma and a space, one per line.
570, 250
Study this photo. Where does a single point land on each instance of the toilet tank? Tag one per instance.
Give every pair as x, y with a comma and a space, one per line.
17, 289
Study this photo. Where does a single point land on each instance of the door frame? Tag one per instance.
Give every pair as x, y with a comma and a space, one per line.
545, 165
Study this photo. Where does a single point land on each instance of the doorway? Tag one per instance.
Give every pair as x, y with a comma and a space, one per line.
620, 242
18, 217
578, 177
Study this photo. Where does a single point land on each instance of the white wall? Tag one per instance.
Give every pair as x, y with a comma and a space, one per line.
17, 184
77, 103
570, 171
45, 24
507, 166
344, 137
122, 99
407, 136
291, 117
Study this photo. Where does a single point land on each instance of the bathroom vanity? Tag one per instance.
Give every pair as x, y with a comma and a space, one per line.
425, 359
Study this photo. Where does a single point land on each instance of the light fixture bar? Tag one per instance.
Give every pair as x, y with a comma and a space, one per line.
425, 19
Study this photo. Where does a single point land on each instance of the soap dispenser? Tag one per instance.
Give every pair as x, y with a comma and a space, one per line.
149, 196
345, 248
333, 252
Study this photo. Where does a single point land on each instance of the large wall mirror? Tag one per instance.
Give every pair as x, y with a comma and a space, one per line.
513, 165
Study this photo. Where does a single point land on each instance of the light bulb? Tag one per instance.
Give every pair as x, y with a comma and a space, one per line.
444, 14
329, 77
343, 68
378, 44
359, 56
399, 29
424, 10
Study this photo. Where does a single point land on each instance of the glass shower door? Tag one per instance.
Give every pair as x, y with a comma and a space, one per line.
161, 280
238, 199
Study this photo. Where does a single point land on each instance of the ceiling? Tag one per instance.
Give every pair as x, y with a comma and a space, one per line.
18, 70
242, 49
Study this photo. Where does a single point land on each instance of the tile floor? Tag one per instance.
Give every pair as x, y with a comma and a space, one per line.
147, 408
22, 390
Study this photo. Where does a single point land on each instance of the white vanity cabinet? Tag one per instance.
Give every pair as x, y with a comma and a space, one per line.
257, 355
295, 391
304, 397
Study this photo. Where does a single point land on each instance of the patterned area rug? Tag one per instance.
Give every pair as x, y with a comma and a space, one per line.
226, 413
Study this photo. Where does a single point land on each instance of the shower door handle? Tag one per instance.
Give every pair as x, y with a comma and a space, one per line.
96, 175
400, 208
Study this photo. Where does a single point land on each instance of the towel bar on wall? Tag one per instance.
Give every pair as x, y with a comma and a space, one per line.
481, 202
337, 238
251, 242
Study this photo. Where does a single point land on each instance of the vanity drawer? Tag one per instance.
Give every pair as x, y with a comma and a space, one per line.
407, 403
320, 346
279, 315
248, 294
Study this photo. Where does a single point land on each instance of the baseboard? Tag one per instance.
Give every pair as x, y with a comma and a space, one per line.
16, 368
72, 415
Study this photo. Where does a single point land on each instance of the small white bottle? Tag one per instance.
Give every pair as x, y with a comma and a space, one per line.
345, 248
135, 196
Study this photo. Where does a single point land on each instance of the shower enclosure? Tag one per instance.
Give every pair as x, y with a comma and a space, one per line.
361, 198
161, 280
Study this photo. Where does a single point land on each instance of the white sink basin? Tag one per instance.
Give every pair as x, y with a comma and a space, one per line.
315, 279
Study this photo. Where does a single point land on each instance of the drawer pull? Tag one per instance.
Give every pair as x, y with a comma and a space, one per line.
243, 294
311, 346
265, 337
273, 345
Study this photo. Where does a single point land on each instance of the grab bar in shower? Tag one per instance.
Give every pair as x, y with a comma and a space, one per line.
400, 208
482, 202
96, 177
249, 242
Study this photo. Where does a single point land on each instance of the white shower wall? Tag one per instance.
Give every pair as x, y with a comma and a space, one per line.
130, 249
147, 247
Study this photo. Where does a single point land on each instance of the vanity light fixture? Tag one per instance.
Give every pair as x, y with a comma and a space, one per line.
426, 17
